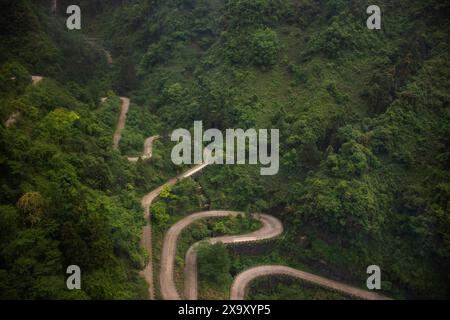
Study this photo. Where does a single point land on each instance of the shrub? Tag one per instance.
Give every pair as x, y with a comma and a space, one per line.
265, 47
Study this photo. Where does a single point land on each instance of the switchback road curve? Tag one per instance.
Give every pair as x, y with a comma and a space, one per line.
243, 280
271, 228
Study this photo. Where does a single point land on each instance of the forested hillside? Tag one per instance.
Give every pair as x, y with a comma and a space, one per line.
363, 115
66, 196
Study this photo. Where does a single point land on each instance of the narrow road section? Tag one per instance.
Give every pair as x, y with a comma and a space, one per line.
146, 202
243, 280
12, 119
121, 122
148, 150
36, 79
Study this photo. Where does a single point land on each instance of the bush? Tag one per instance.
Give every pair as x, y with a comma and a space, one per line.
214, 264
265, 47
13, 78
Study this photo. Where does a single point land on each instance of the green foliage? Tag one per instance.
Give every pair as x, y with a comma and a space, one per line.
159, 212
288, 289
236, 225
22, 38
214, 264
166, 193
14, 78
59, 122
73, 206
332, 40
248, 13
363, 117
264, 47
31, 205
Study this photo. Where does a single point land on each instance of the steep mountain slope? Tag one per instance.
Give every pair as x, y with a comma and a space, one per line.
363, 115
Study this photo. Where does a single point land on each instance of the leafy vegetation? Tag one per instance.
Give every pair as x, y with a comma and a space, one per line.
363, 116
286, 289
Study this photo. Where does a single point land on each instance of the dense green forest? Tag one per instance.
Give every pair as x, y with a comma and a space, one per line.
363, 115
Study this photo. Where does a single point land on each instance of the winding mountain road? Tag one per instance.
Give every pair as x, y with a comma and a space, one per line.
147, 200
243, 280
167, 283
271, 228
